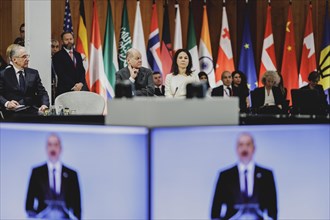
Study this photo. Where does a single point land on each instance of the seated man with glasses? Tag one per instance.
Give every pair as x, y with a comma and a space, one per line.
21, 87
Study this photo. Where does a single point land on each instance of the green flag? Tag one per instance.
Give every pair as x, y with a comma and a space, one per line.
110, 51
191, 41
125, 41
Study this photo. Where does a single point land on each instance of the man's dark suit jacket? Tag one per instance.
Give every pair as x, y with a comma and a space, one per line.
143, 85
39, 189
67, 74
34, 93
258, 97
322, 96
218, 91
160, 92
228, 192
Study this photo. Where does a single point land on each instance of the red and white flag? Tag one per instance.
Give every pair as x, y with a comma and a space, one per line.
268, 59
98, 79
225, 54
308, 60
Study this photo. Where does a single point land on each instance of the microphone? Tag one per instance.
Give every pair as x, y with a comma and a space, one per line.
176, 89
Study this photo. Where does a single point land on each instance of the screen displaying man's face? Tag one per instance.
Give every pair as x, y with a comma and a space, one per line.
245, 148
53, 148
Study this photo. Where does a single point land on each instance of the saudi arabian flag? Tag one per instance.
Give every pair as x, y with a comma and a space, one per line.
191, 42
125, 41
110, 52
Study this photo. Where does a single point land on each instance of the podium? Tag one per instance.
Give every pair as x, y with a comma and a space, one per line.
250, 211
164, 112
56, 210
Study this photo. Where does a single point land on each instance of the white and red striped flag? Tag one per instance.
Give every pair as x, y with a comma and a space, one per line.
98, 79
225, 54
308, 60
268, 59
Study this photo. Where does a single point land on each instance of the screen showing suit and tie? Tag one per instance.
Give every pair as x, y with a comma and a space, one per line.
110, 167
186, 163
103, 167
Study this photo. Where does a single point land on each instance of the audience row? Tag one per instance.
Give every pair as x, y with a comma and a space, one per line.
21, 86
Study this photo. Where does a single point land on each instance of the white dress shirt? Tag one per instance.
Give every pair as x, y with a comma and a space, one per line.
227, 92
269, 99
58, 171
250, 176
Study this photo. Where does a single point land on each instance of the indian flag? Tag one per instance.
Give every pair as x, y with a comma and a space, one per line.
205, 52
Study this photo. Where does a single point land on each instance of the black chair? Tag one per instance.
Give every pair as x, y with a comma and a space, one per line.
306, 101
258, 108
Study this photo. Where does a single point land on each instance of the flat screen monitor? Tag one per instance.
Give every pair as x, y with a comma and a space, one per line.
111, 163
186, 163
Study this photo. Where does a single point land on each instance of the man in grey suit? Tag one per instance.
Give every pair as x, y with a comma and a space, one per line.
20, 85
140, 77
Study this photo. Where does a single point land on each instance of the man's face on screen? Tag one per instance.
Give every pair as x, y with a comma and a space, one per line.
245, 148
53, 148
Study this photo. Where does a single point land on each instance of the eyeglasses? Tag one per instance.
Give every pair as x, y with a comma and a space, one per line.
26, 56
55, 46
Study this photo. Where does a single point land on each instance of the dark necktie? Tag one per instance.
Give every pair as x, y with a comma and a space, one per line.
246, 194
72, 58
54, 181
229, 89
21, 81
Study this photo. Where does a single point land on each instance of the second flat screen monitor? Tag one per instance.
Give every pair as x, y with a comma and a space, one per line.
186, 163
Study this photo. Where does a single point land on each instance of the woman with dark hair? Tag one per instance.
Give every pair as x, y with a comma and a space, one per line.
176, 82
313, 79
240, 82
203, 77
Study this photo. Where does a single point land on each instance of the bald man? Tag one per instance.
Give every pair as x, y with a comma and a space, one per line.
140, 77
245, 183
53, 182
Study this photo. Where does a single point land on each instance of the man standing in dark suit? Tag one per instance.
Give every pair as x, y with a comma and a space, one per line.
20, 85
53, 187
158, 82
245, 184
139, 77
226, 90
69, 67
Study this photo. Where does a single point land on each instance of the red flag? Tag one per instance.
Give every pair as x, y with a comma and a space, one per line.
308, 60
166, 47
268, 61
225, 54
289, 64
153, 52
96, 67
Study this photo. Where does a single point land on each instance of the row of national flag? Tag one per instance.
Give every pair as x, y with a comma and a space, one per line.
101, 65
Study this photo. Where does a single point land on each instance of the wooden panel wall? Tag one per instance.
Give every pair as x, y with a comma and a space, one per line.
12, 16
